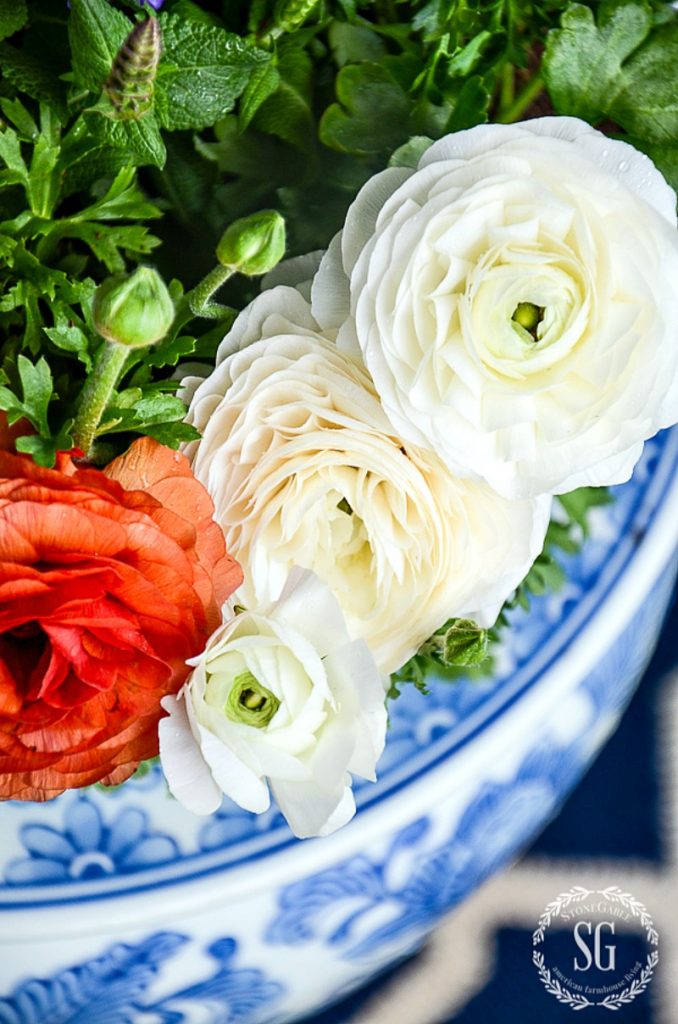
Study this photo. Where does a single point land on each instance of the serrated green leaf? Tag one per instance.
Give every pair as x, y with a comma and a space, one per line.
583, 60
96, 31
36, 387
467, 58
10, 154
169, 353
70, 338
33, 77
173, 434
203, 71
16, 112
287, 112
13, 16
372, 115
263, 83
471, 107
139, 140
44, 449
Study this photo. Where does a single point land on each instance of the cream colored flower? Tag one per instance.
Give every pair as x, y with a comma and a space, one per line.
304, 469
515, 301
281, 694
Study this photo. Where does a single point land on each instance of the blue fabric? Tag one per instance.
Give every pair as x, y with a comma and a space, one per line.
613, 812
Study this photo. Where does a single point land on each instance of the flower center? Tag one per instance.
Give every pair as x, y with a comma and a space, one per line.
528, 316
250, 702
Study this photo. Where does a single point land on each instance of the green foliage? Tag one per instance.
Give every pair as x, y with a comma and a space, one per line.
584, 59
619, 66
13, 16
203, 70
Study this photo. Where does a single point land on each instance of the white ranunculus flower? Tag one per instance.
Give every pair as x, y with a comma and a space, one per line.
304, 469
280, 694
515, 302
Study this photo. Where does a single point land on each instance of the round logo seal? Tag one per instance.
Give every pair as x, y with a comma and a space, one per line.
578, 954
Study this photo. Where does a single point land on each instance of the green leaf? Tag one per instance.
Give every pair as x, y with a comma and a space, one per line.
287, 112
173, 434
471, 106
44, 449
71, 338
263, 83
169, 353
372, 115
10, 154
96, 31
583, 60
36, 386
204, 69
15, 111
139, 140
646, 101
464, 62
123, 199
13, 16
353, 43
30, 75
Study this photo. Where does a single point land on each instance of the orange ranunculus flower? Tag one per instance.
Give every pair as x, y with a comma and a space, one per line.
109, 581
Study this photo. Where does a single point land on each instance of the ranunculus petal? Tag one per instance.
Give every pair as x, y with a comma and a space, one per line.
188, 775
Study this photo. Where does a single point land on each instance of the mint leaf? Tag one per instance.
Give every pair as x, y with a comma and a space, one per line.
33, 77
583, 60
13, 16
372, 115
139, 140
204, 69
96, 31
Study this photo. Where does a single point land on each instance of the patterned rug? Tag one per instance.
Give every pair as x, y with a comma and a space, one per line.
618, 828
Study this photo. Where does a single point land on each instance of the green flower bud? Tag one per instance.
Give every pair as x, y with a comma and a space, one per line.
253, 245
291, 14
135, 311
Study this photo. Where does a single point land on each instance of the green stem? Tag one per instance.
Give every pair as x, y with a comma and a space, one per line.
198, 302
97, 392
199, 297
508, 88
523, 101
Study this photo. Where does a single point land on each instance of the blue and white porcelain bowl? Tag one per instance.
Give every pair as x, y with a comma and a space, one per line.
121, 908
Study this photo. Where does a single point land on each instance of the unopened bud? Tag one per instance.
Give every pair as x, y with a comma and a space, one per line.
253, 245
134, 310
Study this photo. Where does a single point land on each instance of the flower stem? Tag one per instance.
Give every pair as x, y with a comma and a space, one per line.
97, 392
199, 298
522, 102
